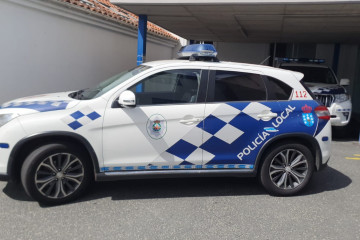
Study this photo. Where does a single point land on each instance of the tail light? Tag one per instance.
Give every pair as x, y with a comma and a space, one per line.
322, 112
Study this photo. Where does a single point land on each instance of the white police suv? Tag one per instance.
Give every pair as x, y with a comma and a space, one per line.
177, 118
322, 81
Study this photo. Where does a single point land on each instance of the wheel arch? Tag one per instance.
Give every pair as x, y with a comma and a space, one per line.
302, 138
25, 146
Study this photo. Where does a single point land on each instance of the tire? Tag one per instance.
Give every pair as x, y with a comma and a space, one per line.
287, 169
56, 174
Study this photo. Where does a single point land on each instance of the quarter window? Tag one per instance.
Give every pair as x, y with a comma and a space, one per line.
238, 86
280, 90
173, 86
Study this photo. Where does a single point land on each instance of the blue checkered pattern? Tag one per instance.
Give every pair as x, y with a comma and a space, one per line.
228, 130
165, 167
222, 132
81, 118
41, 106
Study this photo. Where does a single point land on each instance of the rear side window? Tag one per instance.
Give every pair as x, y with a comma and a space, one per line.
238, 86
279, 90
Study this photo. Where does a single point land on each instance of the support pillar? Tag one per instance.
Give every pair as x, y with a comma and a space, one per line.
141, 48
142, 31
336, 58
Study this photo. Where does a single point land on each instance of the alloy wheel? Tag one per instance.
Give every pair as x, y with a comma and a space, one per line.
59, 175
288, 169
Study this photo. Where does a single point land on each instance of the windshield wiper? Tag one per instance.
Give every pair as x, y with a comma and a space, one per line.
77, 94
85, 94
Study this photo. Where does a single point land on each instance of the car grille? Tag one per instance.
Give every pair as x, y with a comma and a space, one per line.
327, 100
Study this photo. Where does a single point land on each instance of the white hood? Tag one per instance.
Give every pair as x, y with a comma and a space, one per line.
322, 88
39, 103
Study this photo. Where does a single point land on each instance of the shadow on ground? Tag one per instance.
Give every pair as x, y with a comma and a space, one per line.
328, 179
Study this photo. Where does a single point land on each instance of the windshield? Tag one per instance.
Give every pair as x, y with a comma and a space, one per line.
314, 74
108, 84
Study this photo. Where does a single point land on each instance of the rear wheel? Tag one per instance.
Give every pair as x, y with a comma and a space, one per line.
287, 169
55, 173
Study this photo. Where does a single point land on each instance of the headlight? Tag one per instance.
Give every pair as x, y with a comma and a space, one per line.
5, 118
341, 97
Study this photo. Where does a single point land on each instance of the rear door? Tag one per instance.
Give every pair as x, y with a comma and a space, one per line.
237, 119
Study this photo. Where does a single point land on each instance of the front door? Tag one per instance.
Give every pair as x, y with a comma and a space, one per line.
162, 131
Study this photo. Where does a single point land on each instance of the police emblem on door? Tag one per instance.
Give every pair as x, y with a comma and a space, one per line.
156, 126
307, 116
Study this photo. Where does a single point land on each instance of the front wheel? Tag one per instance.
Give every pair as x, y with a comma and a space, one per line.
287, 169
55, 174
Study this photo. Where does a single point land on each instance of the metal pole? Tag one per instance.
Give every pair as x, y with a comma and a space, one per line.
141, 48
142, 31
274, 55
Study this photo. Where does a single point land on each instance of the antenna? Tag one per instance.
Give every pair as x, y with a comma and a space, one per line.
262, 63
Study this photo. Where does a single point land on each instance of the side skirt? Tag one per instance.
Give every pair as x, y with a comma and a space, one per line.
122, 175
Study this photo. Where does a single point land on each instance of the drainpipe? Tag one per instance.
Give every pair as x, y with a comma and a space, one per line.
141, 48
142, 30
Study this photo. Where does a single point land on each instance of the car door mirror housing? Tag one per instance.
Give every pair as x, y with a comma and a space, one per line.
127, 99
345, 82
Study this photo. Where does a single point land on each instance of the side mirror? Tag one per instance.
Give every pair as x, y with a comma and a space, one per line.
345, 82
127, 99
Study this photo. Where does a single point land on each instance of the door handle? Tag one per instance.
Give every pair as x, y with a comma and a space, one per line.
190, 121
267, 116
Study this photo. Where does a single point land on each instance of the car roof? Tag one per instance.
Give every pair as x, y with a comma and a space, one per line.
205, 63
271, 71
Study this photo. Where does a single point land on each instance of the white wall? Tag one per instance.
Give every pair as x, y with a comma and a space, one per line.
49, 48
242, 52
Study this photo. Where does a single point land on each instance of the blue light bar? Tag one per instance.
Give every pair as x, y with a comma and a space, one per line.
317, 60
206, 50
301, 60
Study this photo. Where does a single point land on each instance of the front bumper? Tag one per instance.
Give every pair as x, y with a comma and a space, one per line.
340, 113
4, 177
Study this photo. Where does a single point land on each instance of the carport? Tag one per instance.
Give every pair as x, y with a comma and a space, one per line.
276, 22
326, 21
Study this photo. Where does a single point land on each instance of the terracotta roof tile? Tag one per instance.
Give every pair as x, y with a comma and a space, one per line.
108, 9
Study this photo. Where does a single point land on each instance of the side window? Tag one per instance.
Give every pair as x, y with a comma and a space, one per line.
238, 86
173, 86
279, 90
160, 82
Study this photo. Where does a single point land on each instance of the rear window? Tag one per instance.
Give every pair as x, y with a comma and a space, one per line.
314, 74
238, 86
